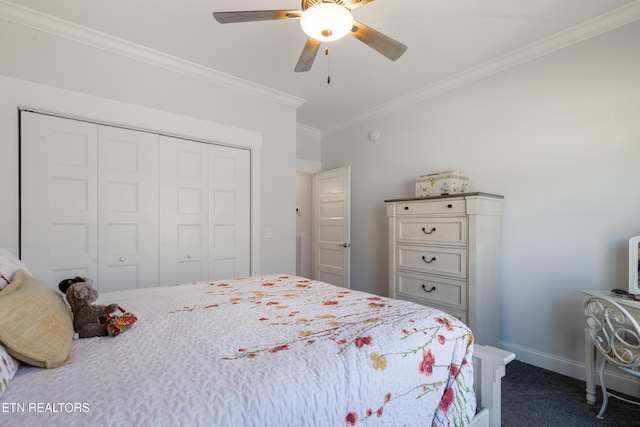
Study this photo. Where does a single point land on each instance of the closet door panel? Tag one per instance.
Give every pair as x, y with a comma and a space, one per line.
128, 209
229, 207
58, 179
184, 226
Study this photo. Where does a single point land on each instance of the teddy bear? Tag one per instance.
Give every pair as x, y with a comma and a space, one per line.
89, 320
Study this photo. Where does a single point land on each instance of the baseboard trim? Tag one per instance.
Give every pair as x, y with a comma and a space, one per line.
616, 380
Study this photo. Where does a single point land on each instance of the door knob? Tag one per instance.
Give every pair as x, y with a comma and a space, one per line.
346, 245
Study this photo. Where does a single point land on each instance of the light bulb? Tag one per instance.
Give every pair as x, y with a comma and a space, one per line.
326, 22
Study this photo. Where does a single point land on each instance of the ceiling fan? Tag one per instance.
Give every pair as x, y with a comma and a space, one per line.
322, 20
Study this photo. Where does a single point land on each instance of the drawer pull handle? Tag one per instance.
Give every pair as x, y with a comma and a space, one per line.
406, 208
424, 288
449, 205
428, 262
424, 230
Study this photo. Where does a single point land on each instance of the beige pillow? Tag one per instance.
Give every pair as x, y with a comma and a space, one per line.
35, 322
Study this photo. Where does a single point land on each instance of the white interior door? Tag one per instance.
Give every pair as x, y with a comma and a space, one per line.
58, 180
332, 236
229, 212
127, 209
184, 220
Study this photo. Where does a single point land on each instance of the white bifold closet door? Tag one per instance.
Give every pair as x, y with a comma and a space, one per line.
130, 209
204, 211
229, 212
183, 211
59, 197
127, 209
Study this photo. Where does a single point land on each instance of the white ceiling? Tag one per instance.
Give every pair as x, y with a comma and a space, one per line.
446, 39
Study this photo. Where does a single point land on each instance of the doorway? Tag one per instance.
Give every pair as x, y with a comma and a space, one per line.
304, 224
323, 206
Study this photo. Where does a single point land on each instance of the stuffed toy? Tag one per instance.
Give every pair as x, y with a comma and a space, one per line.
89, 320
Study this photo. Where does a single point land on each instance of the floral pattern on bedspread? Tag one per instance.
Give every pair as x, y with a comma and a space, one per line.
439, 343
271, 350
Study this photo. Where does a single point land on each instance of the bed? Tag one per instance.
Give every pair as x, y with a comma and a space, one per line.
268, 350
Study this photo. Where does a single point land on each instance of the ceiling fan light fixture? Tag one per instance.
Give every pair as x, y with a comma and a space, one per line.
326, 22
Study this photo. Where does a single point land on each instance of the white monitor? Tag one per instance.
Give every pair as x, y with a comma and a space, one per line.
634, 265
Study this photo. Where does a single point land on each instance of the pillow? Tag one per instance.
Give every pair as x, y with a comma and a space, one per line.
9, 264
8, 368
35, 322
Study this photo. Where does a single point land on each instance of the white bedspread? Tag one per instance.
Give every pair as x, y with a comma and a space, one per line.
264, 351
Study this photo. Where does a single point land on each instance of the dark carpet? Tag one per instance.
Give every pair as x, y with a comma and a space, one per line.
533, 396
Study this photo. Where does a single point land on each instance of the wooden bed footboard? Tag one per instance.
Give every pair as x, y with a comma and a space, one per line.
489, 366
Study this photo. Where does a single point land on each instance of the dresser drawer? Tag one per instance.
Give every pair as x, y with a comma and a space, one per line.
433, 290
436, 206
434, 230
436, 260
462, 315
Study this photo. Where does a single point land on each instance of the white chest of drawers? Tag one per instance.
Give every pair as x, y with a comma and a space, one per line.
444, 252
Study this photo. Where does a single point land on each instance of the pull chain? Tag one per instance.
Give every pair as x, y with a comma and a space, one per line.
326, 53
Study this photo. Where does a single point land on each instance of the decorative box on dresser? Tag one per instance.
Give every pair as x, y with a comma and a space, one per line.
444, 252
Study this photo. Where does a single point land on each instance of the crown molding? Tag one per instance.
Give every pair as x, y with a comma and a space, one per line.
40, 21
308, 130
609, 21
308, 166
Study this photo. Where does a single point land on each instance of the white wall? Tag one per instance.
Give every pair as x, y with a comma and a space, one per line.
308, 149
70, 70
559, 137
309, 143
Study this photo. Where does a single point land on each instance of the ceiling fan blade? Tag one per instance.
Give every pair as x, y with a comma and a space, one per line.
353, 4
255, 15
385, 45
308, 55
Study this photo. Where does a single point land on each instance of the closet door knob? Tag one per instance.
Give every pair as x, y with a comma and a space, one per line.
122, 259
189, 256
